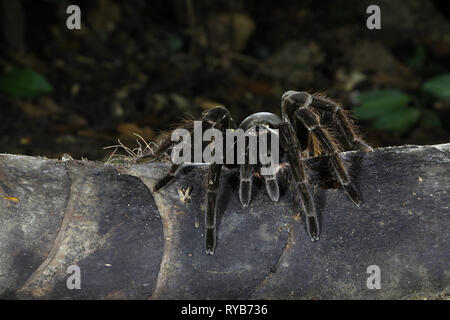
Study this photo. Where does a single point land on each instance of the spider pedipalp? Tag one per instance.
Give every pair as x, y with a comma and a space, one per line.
256, 126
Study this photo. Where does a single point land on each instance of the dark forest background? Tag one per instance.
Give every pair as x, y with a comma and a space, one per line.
140, 66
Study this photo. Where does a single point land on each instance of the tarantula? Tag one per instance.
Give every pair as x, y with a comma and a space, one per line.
303, 131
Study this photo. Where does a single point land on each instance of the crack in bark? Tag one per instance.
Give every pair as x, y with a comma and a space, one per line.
58, 239
161, 278
288, 245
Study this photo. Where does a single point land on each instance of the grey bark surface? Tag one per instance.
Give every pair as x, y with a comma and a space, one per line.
130, 243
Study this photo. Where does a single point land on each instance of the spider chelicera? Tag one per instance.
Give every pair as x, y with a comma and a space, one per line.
303, 131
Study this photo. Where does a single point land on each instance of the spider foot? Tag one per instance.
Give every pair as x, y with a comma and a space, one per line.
353, 194
210, 241
272, 189
313, 228
245, 191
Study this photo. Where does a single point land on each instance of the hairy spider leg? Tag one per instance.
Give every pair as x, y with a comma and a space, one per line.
212, 188
272, 186
220, 119
246, 169
339, 117
271, 179
218, 116
305, 101
245, 184
169, 176
310, 121
164, 146
292, 148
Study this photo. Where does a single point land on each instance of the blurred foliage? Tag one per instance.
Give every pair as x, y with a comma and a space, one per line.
24, 83
378, 103
399, 121
392, 111
418, 58
438, 86
142, 66
389, 108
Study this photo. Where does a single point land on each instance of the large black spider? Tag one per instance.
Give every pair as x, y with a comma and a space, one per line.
303, 131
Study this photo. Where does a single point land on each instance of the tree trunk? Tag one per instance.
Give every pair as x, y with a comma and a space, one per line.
131, 243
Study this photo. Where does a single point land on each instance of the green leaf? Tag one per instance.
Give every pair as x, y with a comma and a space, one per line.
378, 103
24, 83
399, 121
438, 86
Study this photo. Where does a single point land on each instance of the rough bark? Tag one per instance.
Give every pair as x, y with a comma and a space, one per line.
132, 244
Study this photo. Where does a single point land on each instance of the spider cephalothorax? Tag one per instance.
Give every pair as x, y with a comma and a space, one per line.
304, 129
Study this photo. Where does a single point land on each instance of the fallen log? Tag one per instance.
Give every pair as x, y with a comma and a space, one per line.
130, 243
